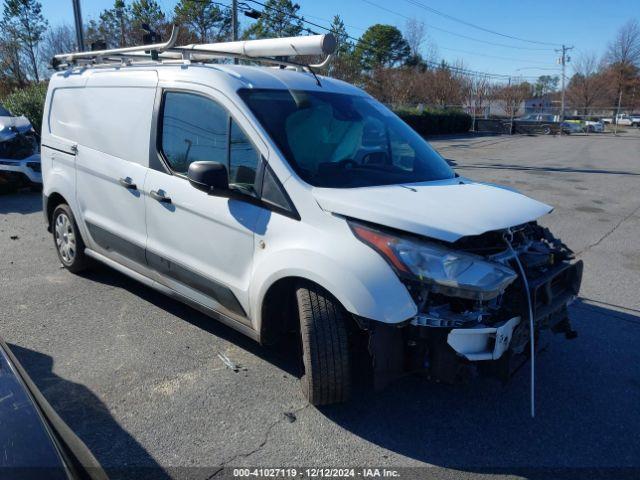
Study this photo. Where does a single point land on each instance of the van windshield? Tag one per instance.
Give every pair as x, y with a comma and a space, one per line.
343, 141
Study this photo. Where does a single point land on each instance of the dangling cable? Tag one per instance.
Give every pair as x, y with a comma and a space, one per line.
531, 331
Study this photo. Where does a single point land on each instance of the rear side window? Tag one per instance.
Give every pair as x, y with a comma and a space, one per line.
194, 128
4, 112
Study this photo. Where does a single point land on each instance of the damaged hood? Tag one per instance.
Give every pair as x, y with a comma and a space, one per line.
445, 210
11, 126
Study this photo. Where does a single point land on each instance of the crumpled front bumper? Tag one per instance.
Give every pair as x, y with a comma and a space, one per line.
483, 343
550, 294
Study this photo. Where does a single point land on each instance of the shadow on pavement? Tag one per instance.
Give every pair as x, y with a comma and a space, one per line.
90, 419
278, 357
587, 398
22, 203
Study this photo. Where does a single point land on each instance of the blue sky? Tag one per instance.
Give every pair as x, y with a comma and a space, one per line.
586, 24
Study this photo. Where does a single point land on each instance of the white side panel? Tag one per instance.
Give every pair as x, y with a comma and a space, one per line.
113, 120
104, 202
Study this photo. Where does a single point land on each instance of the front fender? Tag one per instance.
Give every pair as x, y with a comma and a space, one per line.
365, 285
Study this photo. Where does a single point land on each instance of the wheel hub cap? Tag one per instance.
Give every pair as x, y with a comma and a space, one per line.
65, 238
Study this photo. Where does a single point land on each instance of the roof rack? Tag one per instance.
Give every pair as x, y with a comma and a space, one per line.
275, 51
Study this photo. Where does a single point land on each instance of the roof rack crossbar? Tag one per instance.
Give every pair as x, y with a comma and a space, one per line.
158, 47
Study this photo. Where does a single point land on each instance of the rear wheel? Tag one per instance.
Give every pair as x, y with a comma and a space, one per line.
67, 239
325, 348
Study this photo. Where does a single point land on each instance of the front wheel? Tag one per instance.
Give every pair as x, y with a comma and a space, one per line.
325, 347
68, 242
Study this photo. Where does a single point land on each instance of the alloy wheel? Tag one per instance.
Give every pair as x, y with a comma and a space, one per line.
65, 238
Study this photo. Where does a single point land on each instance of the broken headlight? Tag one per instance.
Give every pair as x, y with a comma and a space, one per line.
448, 271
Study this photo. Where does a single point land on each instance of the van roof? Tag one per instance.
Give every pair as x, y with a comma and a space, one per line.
225, 77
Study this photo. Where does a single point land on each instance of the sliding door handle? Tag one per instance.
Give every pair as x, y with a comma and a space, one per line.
160, 196
128, 183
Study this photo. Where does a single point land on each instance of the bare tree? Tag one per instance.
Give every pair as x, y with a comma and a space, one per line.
589, 86
513, 96
623, 56
394, 86
26, 20
11, 68
477, 92
444, 86
625, 48
415, 34
59, 39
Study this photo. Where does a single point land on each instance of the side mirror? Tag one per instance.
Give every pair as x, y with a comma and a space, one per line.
210, 177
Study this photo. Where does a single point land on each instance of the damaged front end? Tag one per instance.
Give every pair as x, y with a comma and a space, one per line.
19, 153
473, 314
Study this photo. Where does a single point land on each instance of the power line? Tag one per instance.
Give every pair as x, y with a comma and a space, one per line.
493, 56
452, 68
478, 27
455, 33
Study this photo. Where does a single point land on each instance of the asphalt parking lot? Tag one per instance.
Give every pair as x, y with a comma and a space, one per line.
138, 376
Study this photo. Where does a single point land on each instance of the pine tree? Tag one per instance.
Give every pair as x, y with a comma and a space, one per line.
279, 19
209, 21
342, 36
382, 46
115, 25
147, 12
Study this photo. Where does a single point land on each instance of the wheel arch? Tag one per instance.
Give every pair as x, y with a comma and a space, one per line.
50, 204
279, 313
371, 291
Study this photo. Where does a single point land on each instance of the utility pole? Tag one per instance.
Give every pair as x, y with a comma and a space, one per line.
234, 24
563, 61
511, 108
77, 17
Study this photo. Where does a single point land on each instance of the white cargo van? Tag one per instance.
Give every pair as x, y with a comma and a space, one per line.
278, 201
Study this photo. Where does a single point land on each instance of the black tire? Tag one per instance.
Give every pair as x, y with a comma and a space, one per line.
67, 239
325, 347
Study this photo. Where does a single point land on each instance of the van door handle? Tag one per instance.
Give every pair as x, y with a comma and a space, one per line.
128, 183
161, 197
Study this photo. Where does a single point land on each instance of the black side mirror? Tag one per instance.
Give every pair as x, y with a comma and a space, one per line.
210, 177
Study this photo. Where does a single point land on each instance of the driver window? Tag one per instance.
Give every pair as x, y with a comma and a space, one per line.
194, 128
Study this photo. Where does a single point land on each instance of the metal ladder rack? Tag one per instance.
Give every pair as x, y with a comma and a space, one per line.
279, 52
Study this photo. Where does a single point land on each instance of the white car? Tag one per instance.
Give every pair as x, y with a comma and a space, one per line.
19, 156
592, 126
278, 201
624, 119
